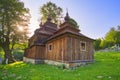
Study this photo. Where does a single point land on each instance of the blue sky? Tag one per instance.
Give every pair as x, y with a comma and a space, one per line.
95, 17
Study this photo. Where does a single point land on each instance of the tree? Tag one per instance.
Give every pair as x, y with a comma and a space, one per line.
118, 35
14, 18
97, 44
113, 36
105, 44
50, 9
118, 28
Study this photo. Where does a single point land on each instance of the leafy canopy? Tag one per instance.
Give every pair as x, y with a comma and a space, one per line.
113, 36
51, 9
14, 19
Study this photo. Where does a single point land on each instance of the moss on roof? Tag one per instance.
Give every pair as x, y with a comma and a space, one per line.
74, 23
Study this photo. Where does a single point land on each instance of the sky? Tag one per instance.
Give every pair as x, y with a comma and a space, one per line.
95, 17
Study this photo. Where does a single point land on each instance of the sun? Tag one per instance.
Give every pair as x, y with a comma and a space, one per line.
20, 28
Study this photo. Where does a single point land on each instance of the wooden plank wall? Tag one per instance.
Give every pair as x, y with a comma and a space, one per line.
36, 52
30, 52
59, 49
74, 51
85, 55
69, 48
91, 51
40, 52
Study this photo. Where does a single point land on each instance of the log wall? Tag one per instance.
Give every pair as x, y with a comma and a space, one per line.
58, 49
67, 49
40, 52
30, 52
35, 52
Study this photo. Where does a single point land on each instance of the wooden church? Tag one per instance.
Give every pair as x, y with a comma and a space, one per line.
59, 45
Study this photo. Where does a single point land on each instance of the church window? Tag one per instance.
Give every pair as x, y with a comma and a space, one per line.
83, 46
50, 47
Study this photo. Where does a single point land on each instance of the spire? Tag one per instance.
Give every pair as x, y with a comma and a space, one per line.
49, 18
67, 16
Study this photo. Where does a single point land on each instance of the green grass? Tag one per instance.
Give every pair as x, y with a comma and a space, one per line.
105, 67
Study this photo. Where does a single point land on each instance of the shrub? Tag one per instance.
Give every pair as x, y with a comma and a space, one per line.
1, 53
18, 54
62, 66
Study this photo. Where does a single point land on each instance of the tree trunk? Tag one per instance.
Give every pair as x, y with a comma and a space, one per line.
8, 58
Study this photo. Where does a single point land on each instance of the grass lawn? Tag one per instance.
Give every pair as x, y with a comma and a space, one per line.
105, 67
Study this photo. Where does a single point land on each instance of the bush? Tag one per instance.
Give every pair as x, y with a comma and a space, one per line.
62, 66
97, 44
1, 53
18, 54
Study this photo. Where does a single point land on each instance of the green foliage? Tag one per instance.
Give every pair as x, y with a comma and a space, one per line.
1, 53
18, 51
105, 44
62, 66
18, 54
105, 67
118, 28
118, 37
51, 9
113, 36
97, 43
14, 19
21, 46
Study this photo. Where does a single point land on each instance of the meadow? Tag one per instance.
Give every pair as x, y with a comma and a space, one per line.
105, 67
